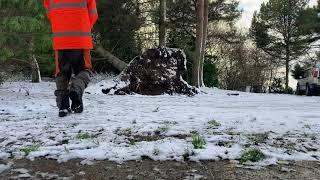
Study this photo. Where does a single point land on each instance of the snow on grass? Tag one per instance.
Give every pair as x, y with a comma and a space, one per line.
121, 128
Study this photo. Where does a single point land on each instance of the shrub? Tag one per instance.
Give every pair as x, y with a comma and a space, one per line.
84, 136
198, 141
210, 74
214, 124
32, 148
253, 155
260, 138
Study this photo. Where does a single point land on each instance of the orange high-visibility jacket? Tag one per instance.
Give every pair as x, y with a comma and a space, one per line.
71, 21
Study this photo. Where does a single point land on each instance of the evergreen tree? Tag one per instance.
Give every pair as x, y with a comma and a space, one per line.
25, 38
279, 30
117, 27
298, 71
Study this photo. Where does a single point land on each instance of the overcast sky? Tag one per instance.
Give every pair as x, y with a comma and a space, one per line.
249, 6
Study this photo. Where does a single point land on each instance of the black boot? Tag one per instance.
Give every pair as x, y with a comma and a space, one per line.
64, 109
64, 112
77, 105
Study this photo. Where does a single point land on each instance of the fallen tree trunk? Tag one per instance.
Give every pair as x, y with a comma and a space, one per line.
113, 60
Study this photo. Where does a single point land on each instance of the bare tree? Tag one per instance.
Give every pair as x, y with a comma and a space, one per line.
244, 65
199, 38
204, 38
162, 23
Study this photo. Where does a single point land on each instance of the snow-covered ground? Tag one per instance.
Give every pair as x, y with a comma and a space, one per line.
120, 128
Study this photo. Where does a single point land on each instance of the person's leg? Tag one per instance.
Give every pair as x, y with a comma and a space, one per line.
63, 75
77, 87
80, 80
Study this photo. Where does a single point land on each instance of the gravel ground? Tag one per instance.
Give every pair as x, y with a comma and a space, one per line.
147, 169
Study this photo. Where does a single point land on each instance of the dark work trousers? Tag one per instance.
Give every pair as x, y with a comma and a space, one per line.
72, 76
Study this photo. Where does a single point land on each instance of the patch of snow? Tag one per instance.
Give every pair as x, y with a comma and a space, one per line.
4, 156
194, 177
23, 176
47, 175
284, 169
21, 171
4, 167
123, 128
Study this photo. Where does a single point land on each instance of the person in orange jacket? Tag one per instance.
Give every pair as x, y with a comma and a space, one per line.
72, 22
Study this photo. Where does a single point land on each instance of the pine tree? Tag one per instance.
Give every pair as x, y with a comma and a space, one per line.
24, 37
117, 27
298, 71
279, 31
162, 23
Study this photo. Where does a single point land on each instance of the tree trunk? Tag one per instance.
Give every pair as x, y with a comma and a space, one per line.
204, 40
162, 23
287, 74
36, 75
113, 60
35, 70
199, 38
287, 68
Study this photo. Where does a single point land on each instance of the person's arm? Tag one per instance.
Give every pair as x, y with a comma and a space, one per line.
93, 13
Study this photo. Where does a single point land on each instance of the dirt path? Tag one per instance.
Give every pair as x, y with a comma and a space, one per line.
149, 170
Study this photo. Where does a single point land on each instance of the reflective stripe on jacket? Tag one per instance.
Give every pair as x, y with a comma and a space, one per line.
71, 21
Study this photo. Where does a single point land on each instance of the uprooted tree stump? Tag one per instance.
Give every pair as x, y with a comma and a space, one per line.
156, 72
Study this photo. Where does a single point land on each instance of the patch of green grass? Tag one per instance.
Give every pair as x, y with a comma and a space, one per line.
253, 155
169, 123
162, 129
28, 149
165, 126
86, 135
198, 141
260, 138
214, 124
